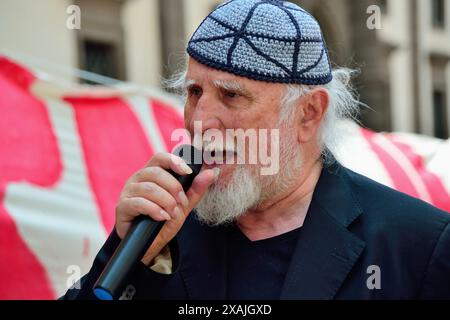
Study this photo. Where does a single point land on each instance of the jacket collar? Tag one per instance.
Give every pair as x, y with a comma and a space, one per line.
336, 196
326, 250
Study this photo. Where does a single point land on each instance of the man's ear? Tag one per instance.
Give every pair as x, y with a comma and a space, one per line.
313, 108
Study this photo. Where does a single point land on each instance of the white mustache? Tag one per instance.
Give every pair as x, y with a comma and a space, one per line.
217, 148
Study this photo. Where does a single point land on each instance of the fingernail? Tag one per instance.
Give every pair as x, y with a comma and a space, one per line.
186, 169
216, 173
176, 160
165, 215
184, 199
181, 164
176, 212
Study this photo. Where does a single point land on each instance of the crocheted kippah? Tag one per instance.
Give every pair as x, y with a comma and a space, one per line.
267, 40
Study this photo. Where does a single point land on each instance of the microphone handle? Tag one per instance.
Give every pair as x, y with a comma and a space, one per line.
133, 247
141, 235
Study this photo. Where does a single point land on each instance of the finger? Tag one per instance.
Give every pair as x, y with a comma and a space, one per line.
170, 161
132, 207
162, 178
156, 194
167, 233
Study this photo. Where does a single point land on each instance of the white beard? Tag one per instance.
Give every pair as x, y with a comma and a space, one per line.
224, 204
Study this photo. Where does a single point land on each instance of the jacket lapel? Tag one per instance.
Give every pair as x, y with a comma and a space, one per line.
326, 250
204, 263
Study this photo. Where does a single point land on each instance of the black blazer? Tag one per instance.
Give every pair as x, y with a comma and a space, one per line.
353, 223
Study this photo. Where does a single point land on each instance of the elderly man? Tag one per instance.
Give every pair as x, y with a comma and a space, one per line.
313, 230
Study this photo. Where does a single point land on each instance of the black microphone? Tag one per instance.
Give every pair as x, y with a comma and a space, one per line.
141, 235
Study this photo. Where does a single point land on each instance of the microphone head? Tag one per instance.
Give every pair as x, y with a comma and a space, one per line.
194, 159
191, 155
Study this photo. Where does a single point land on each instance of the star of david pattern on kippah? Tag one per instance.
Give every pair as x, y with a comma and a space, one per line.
266, 40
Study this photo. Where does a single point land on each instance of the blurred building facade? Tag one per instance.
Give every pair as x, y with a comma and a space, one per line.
405, 64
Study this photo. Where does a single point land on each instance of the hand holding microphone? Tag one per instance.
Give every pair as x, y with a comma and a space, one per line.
156, 192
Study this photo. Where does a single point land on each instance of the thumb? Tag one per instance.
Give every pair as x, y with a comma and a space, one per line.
199, 187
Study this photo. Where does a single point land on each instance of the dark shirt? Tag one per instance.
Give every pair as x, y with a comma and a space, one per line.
256, 269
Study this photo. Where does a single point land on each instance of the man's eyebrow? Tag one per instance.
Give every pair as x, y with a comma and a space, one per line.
231, 85
222, 84
188, 83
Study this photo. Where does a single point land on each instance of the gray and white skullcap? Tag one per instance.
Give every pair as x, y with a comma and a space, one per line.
267, 40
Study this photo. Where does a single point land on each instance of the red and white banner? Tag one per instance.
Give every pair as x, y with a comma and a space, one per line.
66, 153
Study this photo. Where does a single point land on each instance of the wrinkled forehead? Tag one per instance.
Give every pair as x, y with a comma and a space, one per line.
203, 75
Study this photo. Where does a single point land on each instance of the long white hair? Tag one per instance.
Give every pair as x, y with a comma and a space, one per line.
343, 104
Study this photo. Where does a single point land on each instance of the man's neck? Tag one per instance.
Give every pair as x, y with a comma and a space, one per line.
286, 212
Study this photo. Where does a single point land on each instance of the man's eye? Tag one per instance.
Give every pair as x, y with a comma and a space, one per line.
231, 94
195, 91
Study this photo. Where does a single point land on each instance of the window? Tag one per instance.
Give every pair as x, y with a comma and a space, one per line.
440, 115
101, 39
100, 58
438, 13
